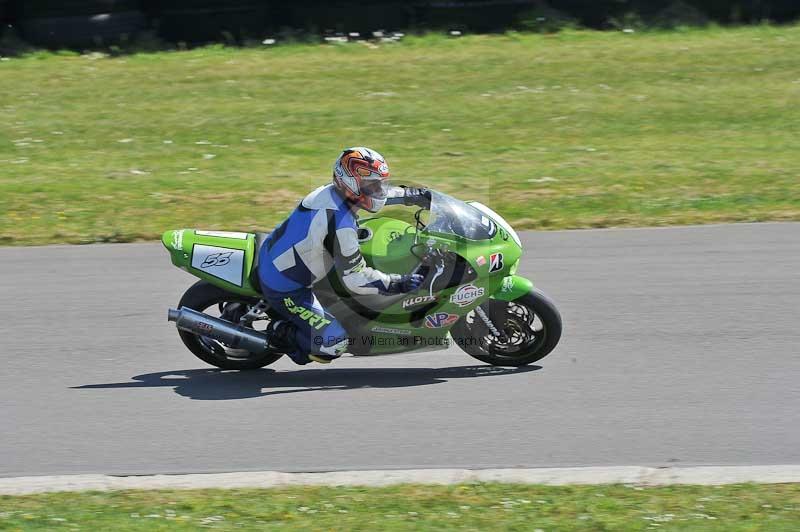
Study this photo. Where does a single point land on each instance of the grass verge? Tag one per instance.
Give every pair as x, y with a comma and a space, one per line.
413, 507
577, 129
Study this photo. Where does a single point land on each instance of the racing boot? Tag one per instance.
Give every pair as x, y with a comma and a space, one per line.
328, 353
281, 338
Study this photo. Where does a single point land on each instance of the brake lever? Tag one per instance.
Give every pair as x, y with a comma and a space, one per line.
439, 271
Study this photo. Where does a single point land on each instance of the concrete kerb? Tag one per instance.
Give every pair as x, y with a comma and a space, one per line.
645, 476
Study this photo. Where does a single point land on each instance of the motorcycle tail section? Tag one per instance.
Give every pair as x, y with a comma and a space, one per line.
223, 258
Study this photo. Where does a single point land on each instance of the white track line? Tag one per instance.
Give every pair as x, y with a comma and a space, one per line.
647, 476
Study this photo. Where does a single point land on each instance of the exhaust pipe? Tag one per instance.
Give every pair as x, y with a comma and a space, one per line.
231, 334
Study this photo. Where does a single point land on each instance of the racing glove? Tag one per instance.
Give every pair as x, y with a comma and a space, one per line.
421, 197
405, 283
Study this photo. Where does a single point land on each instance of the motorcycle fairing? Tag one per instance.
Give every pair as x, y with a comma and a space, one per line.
223, 258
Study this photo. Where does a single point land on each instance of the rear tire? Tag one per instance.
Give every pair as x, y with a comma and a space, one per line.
531, 323
201, 296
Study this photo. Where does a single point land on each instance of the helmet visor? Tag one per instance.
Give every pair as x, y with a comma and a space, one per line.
375, 188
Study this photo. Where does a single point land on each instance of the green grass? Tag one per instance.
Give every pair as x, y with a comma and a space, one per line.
469, 506
577, 129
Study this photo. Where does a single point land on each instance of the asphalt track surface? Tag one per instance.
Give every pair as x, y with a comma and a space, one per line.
681, 347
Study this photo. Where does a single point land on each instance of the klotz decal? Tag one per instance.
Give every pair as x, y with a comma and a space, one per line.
418, 300
467, 295
439, 320
495, 262
480, 261
177, 240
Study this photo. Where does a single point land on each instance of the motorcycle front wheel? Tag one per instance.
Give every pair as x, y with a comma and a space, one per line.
209, 299
529, 329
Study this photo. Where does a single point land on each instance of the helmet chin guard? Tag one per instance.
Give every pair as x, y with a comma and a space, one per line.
362, 176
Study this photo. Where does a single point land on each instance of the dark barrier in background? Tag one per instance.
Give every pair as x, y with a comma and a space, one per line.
343, 16
77, 23
477, 15
749, 10
86, 23
208, 20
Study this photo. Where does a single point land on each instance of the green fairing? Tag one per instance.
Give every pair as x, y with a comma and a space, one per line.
388, 249
513, 287
180, 244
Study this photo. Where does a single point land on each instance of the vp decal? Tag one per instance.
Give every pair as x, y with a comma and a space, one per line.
467, 295
439, 320
222, 263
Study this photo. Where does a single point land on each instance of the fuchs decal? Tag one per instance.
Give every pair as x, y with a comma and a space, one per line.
467, 295
480, 261
439, 320
495, 262
418, 300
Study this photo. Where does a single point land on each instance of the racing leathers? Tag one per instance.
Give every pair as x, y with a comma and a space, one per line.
320, 234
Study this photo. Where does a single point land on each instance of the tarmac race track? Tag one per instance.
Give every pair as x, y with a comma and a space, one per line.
681, 347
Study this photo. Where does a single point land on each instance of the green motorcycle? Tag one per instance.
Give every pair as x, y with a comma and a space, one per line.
470, 296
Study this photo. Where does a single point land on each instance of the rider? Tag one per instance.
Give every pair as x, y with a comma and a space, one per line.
321, 234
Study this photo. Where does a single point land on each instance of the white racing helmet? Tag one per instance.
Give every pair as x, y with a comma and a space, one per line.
362, 176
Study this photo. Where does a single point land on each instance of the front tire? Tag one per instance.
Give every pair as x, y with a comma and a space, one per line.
202, 296
531, 325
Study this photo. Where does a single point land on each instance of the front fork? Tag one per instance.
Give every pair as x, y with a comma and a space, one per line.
512, 287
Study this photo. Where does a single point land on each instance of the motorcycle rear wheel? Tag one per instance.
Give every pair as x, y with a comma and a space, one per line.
203, 296
531, 326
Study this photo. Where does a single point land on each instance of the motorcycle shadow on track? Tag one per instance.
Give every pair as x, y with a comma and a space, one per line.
215, 384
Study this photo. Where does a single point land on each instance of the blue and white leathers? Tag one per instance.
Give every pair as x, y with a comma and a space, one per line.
319, 235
